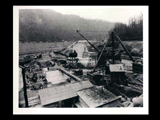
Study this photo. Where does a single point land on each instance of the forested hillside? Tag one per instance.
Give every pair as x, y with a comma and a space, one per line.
45, 25
132, 31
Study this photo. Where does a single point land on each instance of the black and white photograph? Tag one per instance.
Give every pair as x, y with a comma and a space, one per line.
72, 57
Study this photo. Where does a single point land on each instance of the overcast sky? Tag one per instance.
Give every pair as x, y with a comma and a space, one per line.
108, 13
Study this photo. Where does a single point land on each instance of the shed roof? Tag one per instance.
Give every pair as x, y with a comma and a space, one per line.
116, 68
55, 94
58, 93
93, 97
81, 85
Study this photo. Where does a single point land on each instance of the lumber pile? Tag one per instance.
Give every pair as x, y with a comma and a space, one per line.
135, 82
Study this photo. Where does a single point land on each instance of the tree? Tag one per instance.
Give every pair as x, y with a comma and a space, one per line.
47, 26
133, 31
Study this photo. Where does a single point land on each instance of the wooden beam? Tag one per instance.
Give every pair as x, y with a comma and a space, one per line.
87, 41
24, 87
100, 56
69, 74
124, 47
113, 60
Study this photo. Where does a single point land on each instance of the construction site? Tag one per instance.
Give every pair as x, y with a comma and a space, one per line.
86, 74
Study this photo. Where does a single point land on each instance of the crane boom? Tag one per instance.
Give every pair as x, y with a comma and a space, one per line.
88, 41
124, 47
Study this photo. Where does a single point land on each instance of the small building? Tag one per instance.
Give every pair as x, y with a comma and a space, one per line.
55, 95
117, 73
61, 94
95, 97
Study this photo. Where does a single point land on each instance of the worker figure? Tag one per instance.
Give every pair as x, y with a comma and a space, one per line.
75, 53
34, 78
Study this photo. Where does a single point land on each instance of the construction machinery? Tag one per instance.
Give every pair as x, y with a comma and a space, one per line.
109, 70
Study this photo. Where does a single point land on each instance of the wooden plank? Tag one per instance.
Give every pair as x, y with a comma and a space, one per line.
93, 97
78, 105
69, 74
132, 80
57, 93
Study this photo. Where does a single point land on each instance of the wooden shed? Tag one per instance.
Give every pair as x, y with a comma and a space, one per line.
58, 94
117, 73
95, 97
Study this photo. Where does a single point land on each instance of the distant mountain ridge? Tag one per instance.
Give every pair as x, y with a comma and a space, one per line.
46, 25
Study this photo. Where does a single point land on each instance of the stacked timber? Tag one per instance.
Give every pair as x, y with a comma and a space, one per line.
135, 81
